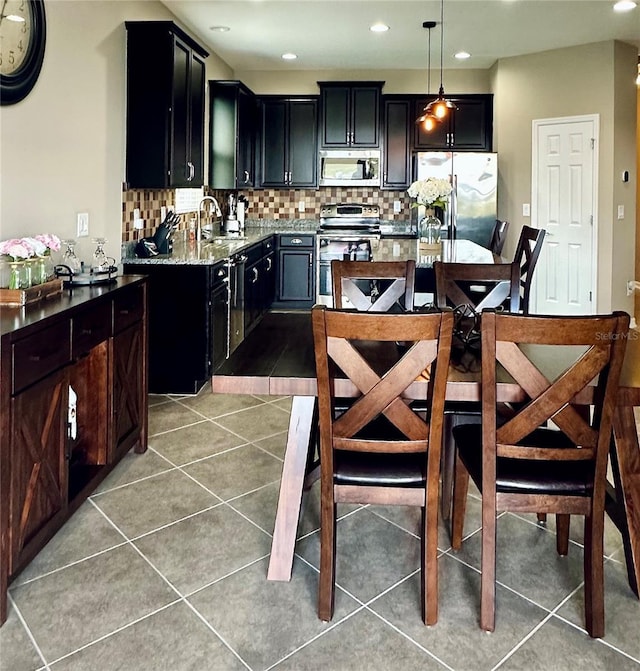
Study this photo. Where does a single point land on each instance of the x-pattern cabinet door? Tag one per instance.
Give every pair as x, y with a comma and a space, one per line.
38, 463
128, 387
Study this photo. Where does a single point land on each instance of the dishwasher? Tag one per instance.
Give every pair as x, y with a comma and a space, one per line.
236, 300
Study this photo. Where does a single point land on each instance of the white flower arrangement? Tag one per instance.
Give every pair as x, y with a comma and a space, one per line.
25, 248
431, 192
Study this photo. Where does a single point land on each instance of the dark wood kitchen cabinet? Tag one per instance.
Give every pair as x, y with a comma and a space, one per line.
73, 401
296, 271
396, 154
469, 128
232, 131
259, 282
165, 106
183, 345
288, 142
220, 314
350, 114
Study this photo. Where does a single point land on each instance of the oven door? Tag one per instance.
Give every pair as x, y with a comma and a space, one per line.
340, 247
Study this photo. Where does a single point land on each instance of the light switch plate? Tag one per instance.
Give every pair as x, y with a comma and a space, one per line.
82, 223
526, 209
620, 211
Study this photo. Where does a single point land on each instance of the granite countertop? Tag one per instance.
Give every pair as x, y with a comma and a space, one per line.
221, 247
398, 241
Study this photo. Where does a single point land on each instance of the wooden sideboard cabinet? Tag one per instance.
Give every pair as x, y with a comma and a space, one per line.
87, 344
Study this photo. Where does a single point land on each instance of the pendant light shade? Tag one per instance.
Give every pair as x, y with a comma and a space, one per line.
441, 107
428, 120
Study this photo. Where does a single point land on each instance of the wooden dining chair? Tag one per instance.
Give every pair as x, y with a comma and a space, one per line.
524, 466
374, 286
454, 288
379, 450
526, 256
499, 236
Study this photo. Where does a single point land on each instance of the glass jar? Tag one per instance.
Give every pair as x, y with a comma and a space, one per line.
14, 275
430, 229
42, 270
26, 275
35, 276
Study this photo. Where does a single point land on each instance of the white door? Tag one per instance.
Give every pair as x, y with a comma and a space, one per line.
564, 175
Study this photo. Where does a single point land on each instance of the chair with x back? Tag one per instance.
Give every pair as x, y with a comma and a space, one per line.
380, 450
526, 256
454, 282
499, 236
374, 286
522, 465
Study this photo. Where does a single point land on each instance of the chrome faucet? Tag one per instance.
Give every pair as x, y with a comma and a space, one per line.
214, 208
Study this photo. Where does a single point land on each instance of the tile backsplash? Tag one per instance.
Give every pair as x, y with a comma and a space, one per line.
263, 204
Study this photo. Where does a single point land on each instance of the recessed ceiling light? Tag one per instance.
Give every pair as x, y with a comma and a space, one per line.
379, 28
220, 29
289, 56
462, 55
624, 6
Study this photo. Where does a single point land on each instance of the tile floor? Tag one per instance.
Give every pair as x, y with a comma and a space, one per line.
164, 568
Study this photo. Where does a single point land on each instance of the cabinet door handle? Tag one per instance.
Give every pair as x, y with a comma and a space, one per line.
269, 264
192, 171
255, 275
246, 176
296, 241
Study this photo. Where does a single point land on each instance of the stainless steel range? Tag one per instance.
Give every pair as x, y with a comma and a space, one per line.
345, 233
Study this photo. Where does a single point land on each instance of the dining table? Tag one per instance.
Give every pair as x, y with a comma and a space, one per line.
277, 358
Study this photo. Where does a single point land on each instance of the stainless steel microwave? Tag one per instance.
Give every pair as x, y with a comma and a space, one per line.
344, 167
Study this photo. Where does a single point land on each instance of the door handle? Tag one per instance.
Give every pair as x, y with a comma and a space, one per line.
269, 264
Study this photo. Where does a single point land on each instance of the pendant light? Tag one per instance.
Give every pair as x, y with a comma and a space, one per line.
427, 119
440, 107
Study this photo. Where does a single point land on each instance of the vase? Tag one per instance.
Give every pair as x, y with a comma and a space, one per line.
43, 270
19, 275
430, 229
34, 271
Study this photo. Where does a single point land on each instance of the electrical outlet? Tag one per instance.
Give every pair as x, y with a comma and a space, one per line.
138, 224
397, 207
301, 206
630, 287
82, 225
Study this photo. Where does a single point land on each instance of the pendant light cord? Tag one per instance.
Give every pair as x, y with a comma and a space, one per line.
441, 42
429, 66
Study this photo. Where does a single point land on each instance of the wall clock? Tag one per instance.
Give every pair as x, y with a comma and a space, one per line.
22, 39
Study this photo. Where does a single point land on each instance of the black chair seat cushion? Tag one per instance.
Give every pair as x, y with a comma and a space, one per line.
379, 469
526, 476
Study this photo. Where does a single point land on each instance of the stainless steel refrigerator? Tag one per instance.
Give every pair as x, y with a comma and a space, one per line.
473, 208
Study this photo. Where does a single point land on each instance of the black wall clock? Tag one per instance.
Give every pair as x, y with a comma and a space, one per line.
22, 38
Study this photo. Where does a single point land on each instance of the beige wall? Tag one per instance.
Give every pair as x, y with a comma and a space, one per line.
572, 82
63, 146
